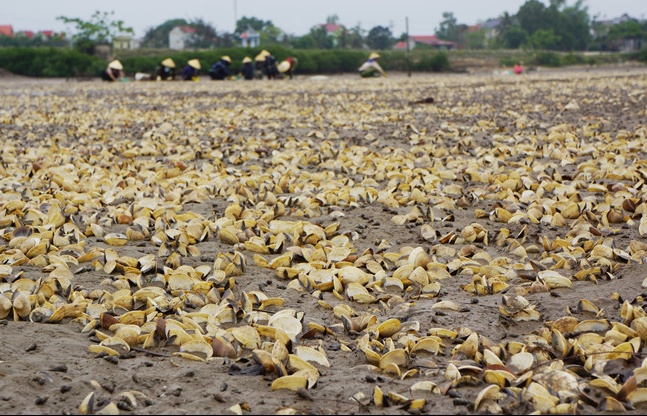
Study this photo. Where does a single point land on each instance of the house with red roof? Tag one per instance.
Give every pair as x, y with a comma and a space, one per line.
331, 28
334, 31
432, 41
29, 34
179, 37
6, 30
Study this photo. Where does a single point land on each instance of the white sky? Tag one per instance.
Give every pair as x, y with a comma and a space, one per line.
294, 17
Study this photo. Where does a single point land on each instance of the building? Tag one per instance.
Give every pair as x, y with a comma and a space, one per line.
431, 41
6, 30
29, 34
334, 31
600, 29
491, 28
122, 42
179, 37
250, 38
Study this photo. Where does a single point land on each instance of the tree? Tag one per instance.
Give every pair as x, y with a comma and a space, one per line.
101, 28
317, 39
476, 39
334, 19
544, 39
630, 29
573, 27
533, 16
205, 35
562, 27
514, 37
352, 38
245, 23
506, 21
450, 29
379, 38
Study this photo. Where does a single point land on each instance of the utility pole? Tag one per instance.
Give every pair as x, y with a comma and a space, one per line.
408, 49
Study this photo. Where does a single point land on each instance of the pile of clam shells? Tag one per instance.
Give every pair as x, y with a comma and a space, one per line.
201, 212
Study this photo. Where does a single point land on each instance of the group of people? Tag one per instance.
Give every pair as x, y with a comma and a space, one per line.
264, 65
164, 72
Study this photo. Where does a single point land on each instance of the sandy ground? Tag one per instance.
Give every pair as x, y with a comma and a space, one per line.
391, 165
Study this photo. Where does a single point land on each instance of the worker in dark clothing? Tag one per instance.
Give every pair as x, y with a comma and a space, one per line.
220, 70
260, 64
190, 71
248, 69
166, 70
271, 70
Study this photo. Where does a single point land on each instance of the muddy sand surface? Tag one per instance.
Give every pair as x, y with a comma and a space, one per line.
391, 229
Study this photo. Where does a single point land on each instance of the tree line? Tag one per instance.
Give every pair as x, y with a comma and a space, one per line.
556, 26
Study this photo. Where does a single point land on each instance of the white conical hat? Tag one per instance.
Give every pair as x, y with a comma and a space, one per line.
284, 66
168, 62
115, 65
194, 63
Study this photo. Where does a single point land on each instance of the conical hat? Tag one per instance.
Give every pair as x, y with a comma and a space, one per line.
226, 58
168, 62
116, 65
374, 55
247, 59
194, 63
284, 66
260, 57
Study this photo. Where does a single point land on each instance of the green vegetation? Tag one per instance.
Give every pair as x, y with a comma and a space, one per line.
50, 62
57, 62
100, 28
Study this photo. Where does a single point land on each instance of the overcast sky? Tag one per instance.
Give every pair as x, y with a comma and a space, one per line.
294, 17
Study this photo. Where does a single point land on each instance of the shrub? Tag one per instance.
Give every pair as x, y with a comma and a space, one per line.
49, 62
547, 59
642, 55
436, 62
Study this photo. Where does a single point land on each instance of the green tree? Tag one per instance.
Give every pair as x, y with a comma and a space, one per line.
379, 38
533, 16
317, 39
271, 35
205, 35
514, 37
450, 29
100, 28
506, 21
563, 27
628, 30
476, 39
334, 19
544, 39
352, 38
245, 23
573, 27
